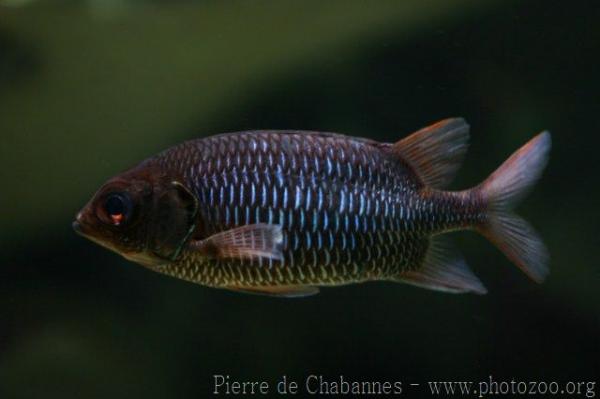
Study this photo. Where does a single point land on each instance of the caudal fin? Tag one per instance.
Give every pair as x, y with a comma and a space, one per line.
501, 191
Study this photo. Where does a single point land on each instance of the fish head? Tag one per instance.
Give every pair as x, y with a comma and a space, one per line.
142, 214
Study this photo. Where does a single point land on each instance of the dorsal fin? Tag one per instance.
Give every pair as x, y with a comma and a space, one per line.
436, 151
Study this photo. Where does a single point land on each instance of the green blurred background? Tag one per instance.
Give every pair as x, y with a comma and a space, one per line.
89, 88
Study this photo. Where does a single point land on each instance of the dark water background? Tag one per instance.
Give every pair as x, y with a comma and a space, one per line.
90, 88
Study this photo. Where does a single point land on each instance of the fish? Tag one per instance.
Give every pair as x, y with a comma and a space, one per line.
285, 212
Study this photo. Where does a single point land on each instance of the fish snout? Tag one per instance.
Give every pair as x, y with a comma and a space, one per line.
78, 224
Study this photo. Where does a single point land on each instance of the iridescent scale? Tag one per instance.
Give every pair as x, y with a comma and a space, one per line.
350, 209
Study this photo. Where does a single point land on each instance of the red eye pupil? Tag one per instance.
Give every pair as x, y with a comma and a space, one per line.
116, 208
117, 218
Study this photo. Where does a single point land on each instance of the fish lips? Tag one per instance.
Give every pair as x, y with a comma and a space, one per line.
79, 225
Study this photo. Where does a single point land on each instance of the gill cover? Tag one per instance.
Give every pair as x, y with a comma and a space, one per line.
174, 221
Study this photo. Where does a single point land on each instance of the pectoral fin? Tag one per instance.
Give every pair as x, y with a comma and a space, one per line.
284, 291
252, 241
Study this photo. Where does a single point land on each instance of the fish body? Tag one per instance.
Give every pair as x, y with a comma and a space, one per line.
349, 210
283, 212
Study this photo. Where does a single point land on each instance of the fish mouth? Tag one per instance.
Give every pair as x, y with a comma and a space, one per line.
77, 227
83, 230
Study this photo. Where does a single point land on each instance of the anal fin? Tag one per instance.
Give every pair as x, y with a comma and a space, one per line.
286, 291
444, 269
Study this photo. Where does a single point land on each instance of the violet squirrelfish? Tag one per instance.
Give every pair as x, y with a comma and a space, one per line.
284, 212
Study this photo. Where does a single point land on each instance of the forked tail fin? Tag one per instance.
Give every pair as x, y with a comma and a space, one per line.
501, 191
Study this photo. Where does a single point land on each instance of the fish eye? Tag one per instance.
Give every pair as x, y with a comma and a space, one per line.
117, 208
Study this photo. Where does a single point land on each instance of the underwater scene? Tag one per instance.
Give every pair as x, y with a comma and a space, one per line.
299, 199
